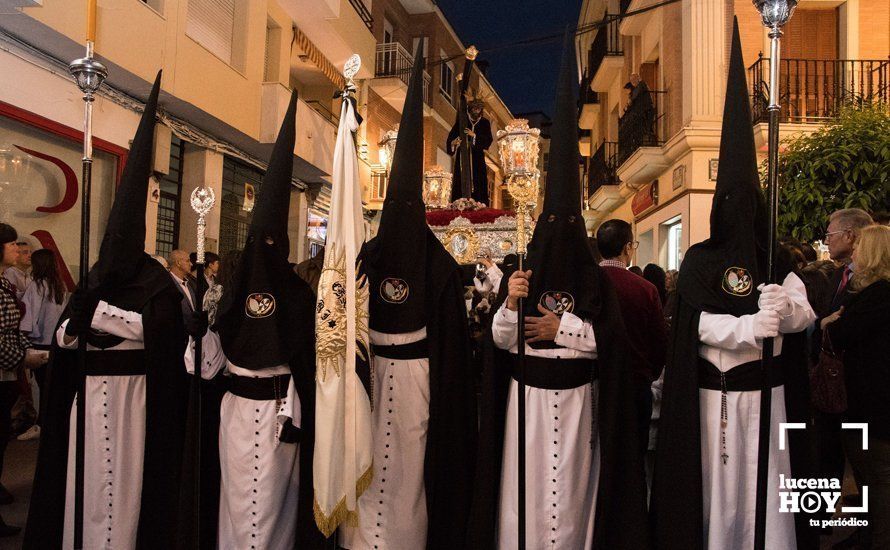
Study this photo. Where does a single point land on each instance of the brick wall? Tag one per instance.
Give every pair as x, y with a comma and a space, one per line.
874, 29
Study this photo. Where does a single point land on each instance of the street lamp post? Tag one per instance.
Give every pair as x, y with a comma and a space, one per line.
89, 75
519, 146
775, 13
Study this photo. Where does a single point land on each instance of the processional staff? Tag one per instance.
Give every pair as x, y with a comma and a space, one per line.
775, 13
519, 146
89, 75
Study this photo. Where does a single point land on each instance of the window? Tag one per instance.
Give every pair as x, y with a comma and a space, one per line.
211, 23
157, 5
446, 79
674, 245
271, 61
234, 221
169, 201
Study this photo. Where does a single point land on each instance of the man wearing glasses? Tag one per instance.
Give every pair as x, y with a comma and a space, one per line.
642, 314
843, 230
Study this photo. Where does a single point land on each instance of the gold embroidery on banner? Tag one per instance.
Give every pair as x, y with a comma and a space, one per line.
327, 524
330, 315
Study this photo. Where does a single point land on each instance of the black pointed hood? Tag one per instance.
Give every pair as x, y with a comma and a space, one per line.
720, 274
261, 309
565, 276
122, 252
395, 260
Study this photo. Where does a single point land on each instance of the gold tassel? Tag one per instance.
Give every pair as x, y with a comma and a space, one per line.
328, 524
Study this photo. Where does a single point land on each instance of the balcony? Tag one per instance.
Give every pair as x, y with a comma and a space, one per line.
363, 12
640, 125
606, 56
590, 105
815, 90
603, 167
392, 74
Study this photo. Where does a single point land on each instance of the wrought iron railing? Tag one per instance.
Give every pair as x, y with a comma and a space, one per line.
393, 60
362, 10
607, 42
602, 168
641, 124
815, 90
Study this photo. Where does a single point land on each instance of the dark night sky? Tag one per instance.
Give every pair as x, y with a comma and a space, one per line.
524, 76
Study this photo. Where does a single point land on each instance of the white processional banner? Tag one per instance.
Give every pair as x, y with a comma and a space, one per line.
343, 458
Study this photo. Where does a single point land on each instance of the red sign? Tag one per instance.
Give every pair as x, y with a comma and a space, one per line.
645, 198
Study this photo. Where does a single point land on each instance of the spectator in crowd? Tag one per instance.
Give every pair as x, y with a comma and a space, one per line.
670, 285
14, 348
228, 263
860, 329
211, 266
655, 275
19, 274
487, 278
44, 301
180, 269
843, 230
636, 270
161, 260
642, 313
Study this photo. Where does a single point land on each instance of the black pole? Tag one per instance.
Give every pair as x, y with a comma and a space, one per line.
520, 394
200, 287
80, 443
767, 360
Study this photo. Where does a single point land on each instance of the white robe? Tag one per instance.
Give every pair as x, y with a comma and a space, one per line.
393, 514
114, 431
260, 476
729, 496
562, 470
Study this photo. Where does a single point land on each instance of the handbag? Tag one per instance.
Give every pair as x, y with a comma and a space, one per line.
827, 384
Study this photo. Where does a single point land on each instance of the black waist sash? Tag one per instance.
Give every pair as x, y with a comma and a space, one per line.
555, 374
744, 377
270, 388
123, 362
402, 352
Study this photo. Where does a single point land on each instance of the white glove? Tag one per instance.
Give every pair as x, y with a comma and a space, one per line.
775, 298
766, 324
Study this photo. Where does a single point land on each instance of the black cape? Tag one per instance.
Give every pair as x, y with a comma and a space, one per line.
451, 441
483, 141
166, 398
620, 521
677, 508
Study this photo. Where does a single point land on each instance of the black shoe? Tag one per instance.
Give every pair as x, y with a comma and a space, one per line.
5, 496
8, 530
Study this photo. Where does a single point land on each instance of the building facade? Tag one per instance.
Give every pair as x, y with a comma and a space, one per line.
651, 151
228, 67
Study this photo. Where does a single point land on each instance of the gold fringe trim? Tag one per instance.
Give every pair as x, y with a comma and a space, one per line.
328, 524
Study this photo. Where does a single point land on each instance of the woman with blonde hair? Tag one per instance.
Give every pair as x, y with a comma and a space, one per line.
861, 331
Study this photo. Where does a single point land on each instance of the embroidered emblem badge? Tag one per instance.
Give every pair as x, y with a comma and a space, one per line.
394, 291
259, 305
557, 302
737, 281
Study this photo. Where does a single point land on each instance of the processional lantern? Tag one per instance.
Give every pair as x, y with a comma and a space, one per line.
519, 147
388, 148
436, 188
